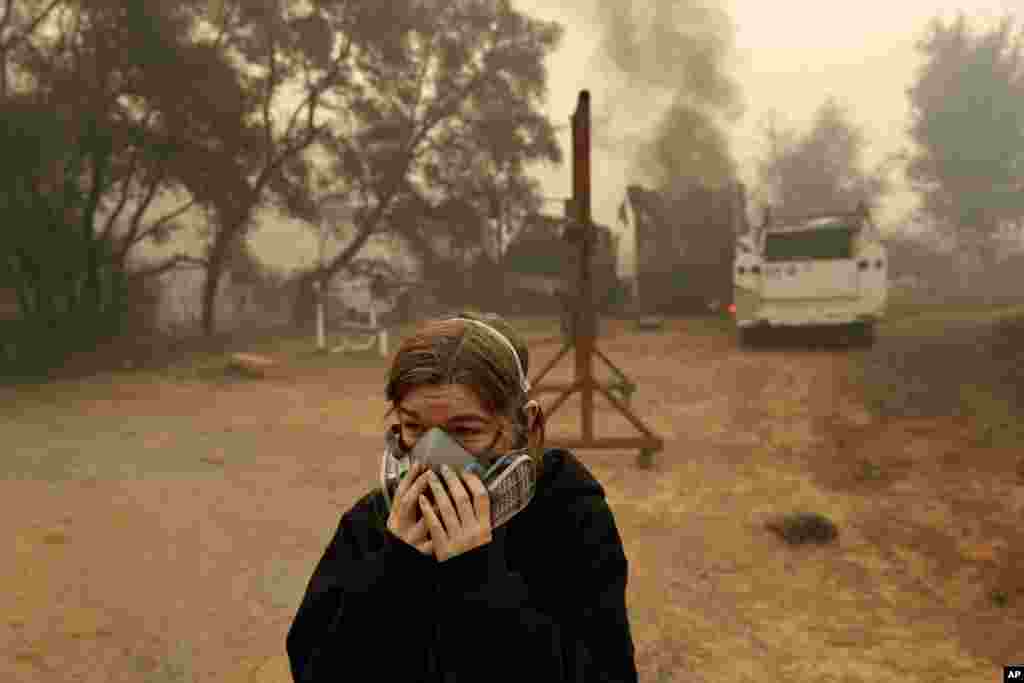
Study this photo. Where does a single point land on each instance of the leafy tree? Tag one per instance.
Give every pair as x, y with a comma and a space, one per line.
64, 67
70, 291
281, 48
186, 98
443, 122
130, 72
484, 180
968, 127
198, 93
822, 169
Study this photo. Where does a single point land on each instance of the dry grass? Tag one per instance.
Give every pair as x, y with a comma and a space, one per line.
923, 561
936, 361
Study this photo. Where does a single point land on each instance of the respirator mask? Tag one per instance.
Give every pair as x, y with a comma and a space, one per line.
510, 479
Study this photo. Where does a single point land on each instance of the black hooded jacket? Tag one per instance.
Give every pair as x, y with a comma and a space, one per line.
545, 601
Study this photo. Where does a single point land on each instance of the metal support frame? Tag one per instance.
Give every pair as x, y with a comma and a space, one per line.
584, 332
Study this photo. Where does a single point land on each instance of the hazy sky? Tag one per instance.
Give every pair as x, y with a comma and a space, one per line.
790, 55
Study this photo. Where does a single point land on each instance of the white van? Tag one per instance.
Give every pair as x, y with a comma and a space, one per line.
818, 270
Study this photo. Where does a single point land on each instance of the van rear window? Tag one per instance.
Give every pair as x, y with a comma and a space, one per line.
808, 245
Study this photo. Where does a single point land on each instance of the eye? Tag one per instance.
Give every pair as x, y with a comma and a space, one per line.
465, 431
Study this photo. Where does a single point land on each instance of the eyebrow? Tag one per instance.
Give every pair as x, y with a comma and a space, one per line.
465, 417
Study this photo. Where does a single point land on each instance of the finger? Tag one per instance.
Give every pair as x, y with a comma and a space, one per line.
444, 504
459, 496
419, 531
408, 503
406, 481
426, 547
437, 532
421, 483
481, 498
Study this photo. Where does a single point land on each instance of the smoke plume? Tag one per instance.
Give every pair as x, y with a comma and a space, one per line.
668, 58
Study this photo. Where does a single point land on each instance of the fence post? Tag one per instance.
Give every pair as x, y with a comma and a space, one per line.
321, 342
382, 333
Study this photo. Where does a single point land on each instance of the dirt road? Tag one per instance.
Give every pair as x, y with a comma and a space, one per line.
165, 531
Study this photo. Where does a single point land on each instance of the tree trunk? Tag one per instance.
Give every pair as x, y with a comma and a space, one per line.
363, 233
304, 306
211, 289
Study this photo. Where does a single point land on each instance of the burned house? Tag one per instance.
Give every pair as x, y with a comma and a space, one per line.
685, 243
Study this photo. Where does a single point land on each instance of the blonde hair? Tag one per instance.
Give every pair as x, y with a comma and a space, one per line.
456, 350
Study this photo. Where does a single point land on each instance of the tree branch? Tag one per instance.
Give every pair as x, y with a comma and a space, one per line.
100, 155
132, 167
426, 60
443, 113
164, 220
311, 101
223, 27
308, 101
268, 126
136, 221
9, 14
172, 263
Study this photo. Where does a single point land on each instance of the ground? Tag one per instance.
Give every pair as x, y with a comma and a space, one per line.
165, 528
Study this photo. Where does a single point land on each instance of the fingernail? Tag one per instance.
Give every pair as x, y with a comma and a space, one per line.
446, 469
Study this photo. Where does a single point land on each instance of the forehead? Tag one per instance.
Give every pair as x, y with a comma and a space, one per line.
439, 403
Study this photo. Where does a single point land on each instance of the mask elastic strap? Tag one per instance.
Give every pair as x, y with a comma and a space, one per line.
524, 383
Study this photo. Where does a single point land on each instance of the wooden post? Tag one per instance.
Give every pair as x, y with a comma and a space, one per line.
580, 229
581, 201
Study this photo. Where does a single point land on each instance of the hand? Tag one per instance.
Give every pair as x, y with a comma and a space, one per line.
467, 523
402, 520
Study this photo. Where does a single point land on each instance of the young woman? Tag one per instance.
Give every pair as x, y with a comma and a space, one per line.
508, 568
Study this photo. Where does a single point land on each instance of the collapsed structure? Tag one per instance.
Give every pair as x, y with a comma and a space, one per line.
685, 245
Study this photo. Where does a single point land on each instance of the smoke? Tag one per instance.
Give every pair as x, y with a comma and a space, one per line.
669, 58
